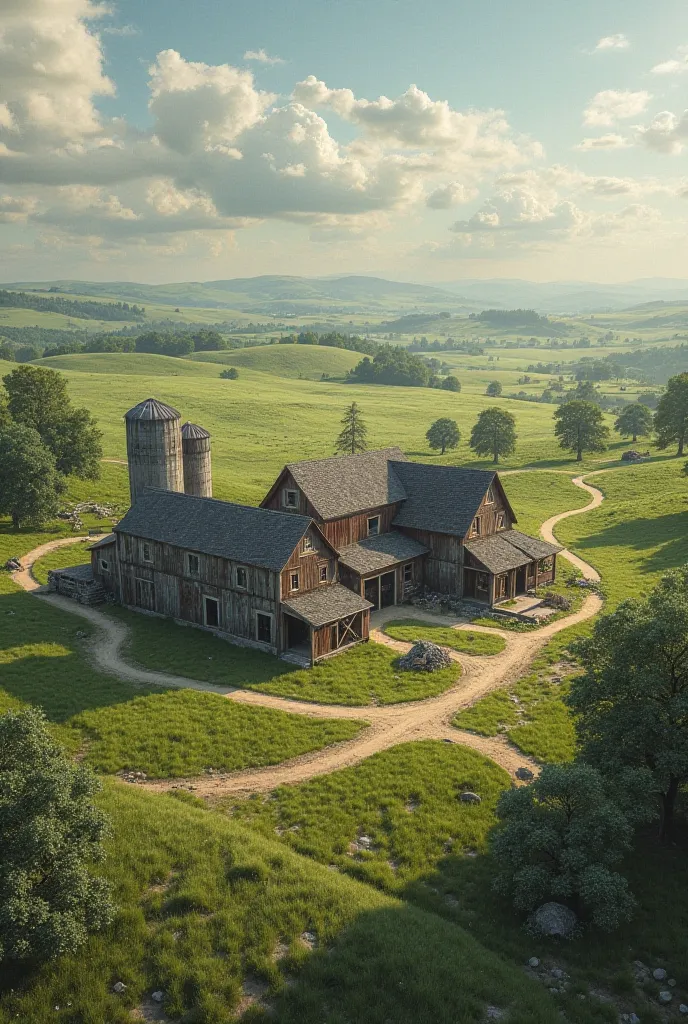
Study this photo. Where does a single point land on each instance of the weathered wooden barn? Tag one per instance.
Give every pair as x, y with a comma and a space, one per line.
333, 540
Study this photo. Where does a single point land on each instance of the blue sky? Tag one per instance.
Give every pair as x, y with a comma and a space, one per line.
170, 140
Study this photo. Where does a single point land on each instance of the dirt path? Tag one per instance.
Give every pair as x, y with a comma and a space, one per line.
388, 725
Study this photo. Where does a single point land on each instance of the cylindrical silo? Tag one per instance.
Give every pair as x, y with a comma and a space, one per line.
154, 448
198, 477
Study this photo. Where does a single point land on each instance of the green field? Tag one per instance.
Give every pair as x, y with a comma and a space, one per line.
305, 361
466, 641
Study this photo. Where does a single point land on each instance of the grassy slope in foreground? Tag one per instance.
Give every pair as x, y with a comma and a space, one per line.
310, 361
209, 912
466, 641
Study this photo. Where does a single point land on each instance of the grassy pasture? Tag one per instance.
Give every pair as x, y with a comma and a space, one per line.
466, 641
305, 361
212, 913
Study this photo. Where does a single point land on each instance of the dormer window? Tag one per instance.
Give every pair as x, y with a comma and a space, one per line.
373, 526
291, 499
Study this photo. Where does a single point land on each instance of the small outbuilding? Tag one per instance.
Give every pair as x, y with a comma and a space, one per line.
78, 583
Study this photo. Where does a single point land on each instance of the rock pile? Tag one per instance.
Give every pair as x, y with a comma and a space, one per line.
555, 919
425, 656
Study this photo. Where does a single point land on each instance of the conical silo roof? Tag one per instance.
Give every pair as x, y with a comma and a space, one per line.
152, 409
192, 430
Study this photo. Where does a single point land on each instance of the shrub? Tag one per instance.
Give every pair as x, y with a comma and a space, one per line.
231, 374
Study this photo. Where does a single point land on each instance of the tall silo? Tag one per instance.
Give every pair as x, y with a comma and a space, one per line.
198, 477
154, 448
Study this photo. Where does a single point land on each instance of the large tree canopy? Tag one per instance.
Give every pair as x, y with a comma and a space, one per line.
37, 398
634, 421
49, 833
29, 483
671, 418
632, 703
580, 428
444, 433
494, 434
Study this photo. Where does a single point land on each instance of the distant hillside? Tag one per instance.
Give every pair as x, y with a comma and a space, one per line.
70, 307
130, 363
307, 361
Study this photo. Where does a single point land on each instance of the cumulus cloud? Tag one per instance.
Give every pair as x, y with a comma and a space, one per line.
262, 57
609, 141
16, 209
612, 105
618, 41
674, 66
666, 133
446, 196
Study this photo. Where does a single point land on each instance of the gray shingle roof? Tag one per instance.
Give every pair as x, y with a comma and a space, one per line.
255, 536
442, 499
103, 542
508, 550
192, 430
152, 409
347, 484
82, 573
379, 553
327, 604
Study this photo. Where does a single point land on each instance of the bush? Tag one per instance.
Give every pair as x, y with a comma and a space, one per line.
230, 374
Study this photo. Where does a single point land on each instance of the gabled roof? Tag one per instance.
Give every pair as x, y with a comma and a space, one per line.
509, 549
254, 536
346, 484
327, 604
441, 499
103, 542
374, 554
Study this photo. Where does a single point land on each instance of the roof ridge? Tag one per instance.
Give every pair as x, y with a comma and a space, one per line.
232, 504
340, 458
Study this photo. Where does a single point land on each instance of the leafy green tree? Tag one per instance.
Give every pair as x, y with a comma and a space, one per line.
493, 389
580, 428
634, 421
632, 702
671, 418
37, 398
451, 383
354, 436
29, 482
444, 433
585, 391
494, 434
558, 839
50, 832
231, 374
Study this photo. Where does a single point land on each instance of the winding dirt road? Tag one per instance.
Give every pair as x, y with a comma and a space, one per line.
388, 725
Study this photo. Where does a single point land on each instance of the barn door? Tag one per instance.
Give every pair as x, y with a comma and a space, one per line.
145, 595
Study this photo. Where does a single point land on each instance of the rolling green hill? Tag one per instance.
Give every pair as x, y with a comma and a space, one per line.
309, 361
136, 364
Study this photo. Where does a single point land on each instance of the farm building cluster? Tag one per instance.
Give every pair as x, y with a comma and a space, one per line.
333, 540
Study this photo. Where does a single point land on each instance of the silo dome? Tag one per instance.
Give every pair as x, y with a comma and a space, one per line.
198, 478
154, 447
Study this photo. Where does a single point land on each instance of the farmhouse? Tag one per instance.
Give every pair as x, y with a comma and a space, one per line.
333, 540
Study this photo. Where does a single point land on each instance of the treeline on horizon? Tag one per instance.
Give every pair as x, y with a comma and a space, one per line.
83, 309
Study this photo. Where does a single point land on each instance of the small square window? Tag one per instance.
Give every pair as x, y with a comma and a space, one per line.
104, 565
373, 526
194, 565
323, 574
241, 578
291, 499
147, 553
294, 581
408, 573
308, 543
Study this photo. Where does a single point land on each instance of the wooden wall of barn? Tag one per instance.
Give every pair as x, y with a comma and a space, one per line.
107, 553
442, 568
180, 595
489, 511
307, 563
324, 640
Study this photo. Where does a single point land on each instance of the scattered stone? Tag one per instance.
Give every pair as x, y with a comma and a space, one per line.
119, 987
494, 1013
158, 996
683, 1008
309, 939
524, 774
470, 798
665, 996
641, 971
558, 973
555, 919
630, 1018
425, 656
533, 962
659, 974
671, 982
451, 902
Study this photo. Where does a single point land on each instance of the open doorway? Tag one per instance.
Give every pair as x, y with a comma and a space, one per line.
298, 632
212, 612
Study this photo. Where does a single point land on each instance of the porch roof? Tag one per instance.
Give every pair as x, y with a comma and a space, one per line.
78, 573
375, 554
510, 549
325, 605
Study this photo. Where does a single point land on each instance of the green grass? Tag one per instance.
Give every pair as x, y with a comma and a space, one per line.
184, 732
305, 361
207, 906
368, 674
468, 642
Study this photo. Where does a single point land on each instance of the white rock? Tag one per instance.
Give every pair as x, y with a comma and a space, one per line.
683, 1008
659, 974
533, 962
665, 996
119, 987
158, 996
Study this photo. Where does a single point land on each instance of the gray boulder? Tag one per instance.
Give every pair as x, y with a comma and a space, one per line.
425, 656
659, 974
524, 774
470, 798
665, 996
555, 919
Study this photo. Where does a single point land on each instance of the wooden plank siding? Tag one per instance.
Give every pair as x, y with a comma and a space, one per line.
489, 513
443, 567
105, 555
324, 641
307, 562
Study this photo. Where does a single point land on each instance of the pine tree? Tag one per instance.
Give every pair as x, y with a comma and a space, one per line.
353, 438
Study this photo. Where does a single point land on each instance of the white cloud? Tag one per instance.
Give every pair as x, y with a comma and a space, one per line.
674, 66
612, 105
666, 133
609, 141
16, 209
262, 57
618, 41
446, 196
121, 30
